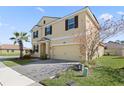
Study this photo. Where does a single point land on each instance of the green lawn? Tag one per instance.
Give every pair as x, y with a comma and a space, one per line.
9, 54
15, 62
112, 61
109, 71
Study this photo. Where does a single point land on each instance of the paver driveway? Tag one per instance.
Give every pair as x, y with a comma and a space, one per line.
42, 69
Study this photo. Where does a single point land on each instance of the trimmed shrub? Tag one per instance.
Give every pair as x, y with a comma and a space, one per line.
27, 56
44, 57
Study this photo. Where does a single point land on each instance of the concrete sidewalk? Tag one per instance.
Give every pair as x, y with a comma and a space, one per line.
9, 77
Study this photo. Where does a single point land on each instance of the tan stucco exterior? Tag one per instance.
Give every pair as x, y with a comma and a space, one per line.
61, 43
4, 52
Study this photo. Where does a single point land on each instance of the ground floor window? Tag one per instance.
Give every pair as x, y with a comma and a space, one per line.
7, 50
33, 48
12, 50
36, 48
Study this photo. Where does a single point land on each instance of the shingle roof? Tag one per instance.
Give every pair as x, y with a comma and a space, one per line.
10, 46
52, 17
114, 45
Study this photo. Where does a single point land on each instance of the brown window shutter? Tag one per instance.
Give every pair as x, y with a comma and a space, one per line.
50, 29
37, 48
45, 31
76, 21
34, 48
37, 34
33, 34
66, 24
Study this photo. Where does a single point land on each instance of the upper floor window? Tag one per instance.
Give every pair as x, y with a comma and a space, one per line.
44, 22
35, 34
48, 30
71, 23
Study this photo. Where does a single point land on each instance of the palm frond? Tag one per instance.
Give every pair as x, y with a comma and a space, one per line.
20, 36
24, 33
12, 38
16, 34
15, 42
26, 38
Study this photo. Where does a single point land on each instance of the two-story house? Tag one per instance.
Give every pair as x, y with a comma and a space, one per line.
53, 36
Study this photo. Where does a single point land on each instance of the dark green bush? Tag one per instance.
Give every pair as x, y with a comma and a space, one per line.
44, 57
27, 56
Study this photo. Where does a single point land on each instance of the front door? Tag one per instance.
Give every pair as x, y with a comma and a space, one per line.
43, 49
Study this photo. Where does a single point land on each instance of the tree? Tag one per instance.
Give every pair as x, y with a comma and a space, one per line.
20, 37
93, 36
122, 42
111, 42
118, 41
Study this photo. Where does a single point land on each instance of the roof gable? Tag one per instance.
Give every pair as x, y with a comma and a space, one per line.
92, 16
47, 19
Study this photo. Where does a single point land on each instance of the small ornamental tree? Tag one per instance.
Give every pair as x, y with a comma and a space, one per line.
90, 40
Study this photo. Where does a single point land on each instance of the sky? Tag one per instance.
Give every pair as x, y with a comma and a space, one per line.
23, 18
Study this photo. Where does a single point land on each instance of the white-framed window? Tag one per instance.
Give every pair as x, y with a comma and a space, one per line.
71, 23
48, 30
36, 48
35, 34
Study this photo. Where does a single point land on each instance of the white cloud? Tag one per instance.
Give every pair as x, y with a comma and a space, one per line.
106, 16
120, 13
40, 9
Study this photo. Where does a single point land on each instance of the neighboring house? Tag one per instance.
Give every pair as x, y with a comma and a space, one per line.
53, 36
116, 49
10, 49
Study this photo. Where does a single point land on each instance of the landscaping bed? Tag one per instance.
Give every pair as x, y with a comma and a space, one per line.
109, 71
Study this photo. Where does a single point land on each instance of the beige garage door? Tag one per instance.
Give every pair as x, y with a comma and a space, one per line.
66, 52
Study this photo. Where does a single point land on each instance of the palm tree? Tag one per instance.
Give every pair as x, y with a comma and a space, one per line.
20, 37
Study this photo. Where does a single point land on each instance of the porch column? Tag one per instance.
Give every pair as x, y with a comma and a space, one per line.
48, 49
